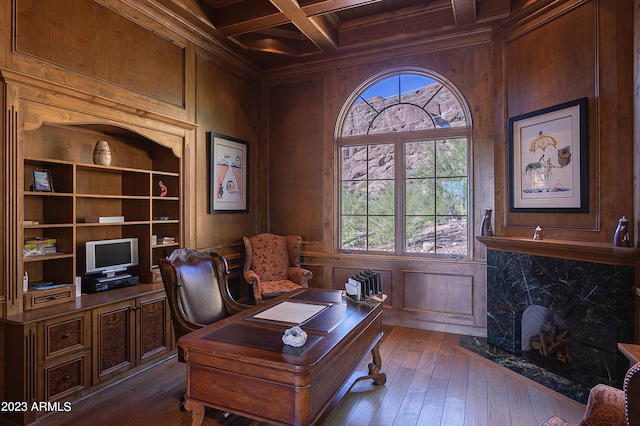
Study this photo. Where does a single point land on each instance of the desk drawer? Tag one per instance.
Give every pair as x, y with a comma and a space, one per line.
42, 298
62, 379
63, 335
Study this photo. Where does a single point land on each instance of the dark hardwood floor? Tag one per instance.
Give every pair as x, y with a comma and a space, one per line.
430, 381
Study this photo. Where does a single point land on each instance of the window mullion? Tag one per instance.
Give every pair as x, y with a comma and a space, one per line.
400, 185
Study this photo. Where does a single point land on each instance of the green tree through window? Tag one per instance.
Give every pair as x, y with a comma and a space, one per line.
403, 139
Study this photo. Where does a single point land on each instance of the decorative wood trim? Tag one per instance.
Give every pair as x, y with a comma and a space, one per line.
13, 213
575, 250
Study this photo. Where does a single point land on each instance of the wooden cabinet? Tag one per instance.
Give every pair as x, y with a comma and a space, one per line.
61, 352
55, 349
63, 356
142, 185
129, 333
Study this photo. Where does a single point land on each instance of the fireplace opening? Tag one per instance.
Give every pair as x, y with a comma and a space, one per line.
545, 334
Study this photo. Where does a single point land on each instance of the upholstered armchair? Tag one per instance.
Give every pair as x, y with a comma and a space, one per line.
272, 265
608, 406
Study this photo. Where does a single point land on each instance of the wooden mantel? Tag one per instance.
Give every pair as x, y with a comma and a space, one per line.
575, 250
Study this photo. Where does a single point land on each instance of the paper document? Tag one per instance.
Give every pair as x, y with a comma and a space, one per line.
291, 312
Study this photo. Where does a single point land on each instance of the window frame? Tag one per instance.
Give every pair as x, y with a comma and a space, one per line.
399, 140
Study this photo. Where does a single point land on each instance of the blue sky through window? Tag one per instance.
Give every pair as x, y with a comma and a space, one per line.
389, 87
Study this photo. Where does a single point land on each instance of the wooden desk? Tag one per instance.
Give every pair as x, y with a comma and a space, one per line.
240, 364
631, 351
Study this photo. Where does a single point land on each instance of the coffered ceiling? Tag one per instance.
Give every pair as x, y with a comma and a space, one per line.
274, 33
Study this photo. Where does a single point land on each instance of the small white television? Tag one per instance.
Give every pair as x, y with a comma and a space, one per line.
109, 257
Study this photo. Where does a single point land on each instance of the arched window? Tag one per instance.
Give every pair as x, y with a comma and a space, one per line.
404, 152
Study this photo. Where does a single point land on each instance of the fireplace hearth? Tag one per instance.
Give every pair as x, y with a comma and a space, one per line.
559, 317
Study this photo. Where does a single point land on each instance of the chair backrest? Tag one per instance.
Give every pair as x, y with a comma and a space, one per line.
270, 255
632, 395
197, 289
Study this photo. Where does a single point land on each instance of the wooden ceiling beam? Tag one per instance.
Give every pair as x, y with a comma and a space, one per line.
322, 7
317, 28
464, 11
242, 18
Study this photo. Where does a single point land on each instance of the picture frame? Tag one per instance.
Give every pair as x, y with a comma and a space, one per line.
228, 174
42, 181
548, 160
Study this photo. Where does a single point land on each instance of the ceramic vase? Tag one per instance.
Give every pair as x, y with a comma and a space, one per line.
102, 153
485, 229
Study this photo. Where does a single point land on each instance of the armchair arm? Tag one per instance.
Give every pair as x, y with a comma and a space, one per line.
605, 403
299, 275
252, 278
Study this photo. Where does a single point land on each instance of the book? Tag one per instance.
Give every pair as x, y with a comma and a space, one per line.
40, 240
42, 246
104, 219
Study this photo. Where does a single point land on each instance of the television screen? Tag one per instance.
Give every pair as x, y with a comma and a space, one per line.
111, 256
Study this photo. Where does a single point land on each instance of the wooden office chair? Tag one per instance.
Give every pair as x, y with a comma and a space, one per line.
272, 265
197, 290
610, 406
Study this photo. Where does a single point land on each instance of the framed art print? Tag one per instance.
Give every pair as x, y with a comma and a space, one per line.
548, 159
228, 174
42, 181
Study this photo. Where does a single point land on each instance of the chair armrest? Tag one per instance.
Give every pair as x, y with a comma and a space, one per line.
607, 404
299, 276
252, 278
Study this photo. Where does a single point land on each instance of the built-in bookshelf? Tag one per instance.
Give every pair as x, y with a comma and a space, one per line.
141, 185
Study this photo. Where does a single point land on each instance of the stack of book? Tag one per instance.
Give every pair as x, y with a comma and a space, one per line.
167, 240
40, 246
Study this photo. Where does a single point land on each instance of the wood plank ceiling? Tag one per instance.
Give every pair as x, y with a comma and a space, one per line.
275, 33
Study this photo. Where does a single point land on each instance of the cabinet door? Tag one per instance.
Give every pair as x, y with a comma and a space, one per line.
153, 327
114, 351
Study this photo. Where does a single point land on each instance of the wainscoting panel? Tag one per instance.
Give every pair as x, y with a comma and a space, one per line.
438, 293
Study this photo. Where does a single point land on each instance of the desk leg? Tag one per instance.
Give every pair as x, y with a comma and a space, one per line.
197, 412
375, 368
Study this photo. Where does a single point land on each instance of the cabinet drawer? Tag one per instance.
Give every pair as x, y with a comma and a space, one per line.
57, 381
41, 298
62, 335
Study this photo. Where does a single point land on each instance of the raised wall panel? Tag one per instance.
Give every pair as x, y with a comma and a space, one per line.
295, 159
226, 103
438, 293
578, 49
92, 39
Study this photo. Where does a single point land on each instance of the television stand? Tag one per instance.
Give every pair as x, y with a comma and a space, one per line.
98, 284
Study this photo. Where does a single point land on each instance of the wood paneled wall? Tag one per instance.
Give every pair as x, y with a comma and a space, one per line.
546, 54
578, 49
303, 115
296, 160
226, 103
143, 67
